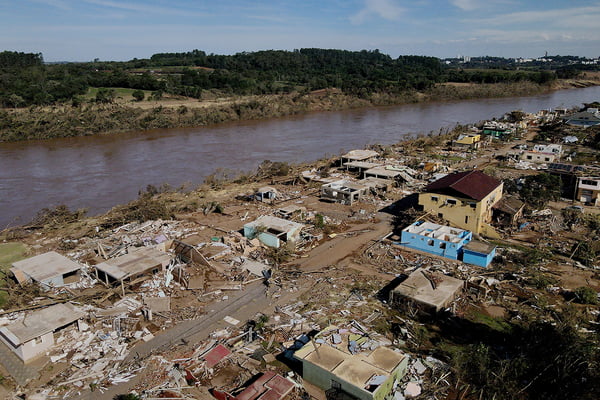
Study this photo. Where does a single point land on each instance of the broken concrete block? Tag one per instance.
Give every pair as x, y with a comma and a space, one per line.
269, 358
148, 337
419, 367
412, 390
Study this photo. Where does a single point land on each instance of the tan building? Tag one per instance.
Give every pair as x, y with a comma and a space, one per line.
465, 199
588, 190
336, 360
34, 335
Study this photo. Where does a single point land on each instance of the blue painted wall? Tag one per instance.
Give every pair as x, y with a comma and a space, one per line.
435, 246
482, 260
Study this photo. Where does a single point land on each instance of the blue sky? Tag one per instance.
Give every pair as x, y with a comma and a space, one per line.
81, 30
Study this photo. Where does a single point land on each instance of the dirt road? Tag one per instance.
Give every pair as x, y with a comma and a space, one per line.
340, 248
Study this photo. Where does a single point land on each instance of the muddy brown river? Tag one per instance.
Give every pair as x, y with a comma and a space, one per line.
102, 171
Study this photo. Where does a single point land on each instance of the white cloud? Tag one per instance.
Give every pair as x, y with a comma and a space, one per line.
386, 9
544, 16
54, 3
138, 7
467, 5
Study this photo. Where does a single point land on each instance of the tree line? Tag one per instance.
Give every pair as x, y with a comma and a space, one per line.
26, 80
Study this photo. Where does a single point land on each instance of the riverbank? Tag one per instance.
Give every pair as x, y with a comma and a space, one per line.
98, 119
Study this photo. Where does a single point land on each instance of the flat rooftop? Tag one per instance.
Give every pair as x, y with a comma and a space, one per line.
44, 266
480, 247
356, 369
421, 289
360, 155
278, 224
345, 185
376, 183
135, 262
360, 164
40, 322
435, 231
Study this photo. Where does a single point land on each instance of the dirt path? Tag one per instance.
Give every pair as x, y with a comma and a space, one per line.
340, 248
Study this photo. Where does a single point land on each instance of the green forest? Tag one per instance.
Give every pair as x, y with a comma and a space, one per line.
26, 80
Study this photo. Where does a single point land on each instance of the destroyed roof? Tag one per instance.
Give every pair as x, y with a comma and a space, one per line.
360, 155
356, 369
436, 231
269, 386
387, 172
583, 116
471, 184
279, 224
480, 247
135, 262
372, 182
40, 322
361, 164
344, 184
420, 288
266, 189
509, 205
44, 266
216, 355
292, 208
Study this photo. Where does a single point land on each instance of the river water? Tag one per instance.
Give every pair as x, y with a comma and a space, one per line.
102, 171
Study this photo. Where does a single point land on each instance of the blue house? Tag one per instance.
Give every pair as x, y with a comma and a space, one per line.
273, 231
436, 239
448, 242
478, 253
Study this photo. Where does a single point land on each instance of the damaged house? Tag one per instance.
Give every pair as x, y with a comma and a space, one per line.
34, 335
358, 155
267, 386
343, 191
543, 153
341, 361
588, 190
429, 291
465, 199
139, 262
266, 194
49, 270
395, 174
448, 242
273, 231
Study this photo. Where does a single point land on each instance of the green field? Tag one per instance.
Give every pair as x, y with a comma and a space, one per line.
9, 253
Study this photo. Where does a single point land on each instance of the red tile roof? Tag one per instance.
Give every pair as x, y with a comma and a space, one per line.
471, 184
217, 354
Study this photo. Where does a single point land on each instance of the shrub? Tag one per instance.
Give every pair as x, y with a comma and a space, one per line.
586, 295
138, 95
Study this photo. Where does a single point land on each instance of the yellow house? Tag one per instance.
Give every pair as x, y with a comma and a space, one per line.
469, 139
465, 199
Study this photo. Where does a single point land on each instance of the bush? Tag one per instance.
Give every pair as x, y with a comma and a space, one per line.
138, 95
105, 95
586, 295
319, 221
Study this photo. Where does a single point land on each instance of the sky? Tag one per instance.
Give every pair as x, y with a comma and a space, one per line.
118, 30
